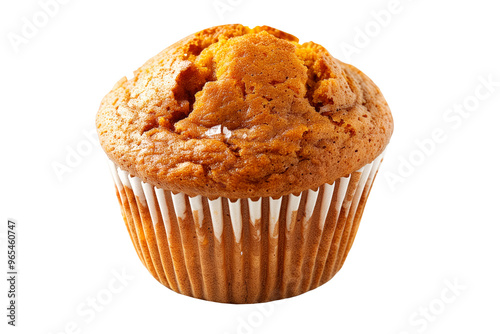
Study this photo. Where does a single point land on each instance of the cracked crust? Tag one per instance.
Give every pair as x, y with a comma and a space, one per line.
241, 113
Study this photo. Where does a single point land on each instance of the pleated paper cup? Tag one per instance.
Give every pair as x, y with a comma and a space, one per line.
244, 251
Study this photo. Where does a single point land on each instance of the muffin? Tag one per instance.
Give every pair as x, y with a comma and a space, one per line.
242, 162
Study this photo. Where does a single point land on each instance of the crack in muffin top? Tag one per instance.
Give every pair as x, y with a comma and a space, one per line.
243, 113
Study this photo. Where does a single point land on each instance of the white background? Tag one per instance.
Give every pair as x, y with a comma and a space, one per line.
431, 222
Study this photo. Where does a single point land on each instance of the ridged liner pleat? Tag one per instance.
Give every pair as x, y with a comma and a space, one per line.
244, 251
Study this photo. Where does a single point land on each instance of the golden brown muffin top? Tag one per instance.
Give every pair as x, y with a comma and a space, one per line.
238, 112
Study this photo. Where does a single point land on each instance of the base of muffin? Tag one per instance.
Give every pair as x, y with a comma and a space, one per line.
245, 250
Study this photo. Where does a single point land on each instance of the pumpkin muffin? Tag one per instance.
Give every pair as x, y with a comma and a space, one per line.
242, 162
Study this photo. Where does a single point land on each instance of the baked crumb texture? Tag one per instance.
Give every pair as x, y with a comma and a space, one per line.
241, 113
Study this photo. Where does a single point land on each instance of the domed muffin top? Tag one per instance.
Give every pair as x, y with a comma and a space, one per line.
238, 112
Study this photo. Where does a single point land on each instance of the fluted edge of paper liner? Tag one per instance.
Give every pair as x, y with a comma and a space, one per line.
244, 251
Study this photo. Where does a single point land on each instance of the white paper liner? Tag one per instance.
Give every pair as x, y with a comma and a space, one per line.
244, 251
